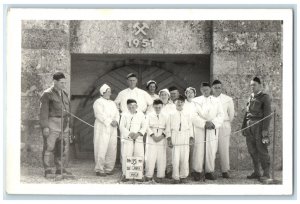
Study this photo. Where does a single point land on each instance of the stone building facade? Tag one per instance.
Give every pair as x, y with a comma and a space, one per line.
181, 53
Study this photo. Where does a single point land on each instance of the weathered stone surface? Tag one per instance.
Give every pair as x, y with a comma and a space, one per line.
235, 41
169, 37
56, 60
31, 60
46, 24
273, 85
30, 84
45, 39
269, 41
247, 63
224, 63
225, 26
30, 108
269, 63
259, 26
231, 83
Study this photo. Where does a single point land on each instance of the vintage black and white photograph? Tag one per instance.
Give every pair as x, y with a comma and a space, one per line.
152, 102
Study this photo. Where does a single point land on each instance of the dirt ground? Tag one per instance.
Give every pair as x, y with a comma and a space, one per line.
83, 170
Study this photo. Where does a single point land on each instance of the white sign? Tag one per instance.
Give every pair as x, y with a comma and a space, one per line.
134, 168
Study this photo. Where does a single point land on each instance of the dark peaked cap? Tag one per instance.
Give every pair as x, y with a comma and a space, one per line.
256, 79
172, 88
181, 98
216, 82
129, 101
131, 75
205, 84
58, 75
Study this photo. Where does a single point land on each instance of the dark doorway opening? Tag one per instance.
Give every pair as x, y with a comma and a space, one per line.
90, 71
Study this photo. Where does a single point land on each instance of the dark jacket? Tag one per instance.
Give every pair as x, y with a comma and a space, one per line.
50, 106
258, 107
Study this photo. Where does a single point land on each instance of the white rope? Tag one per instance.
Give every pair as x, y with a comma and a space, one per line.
178, 144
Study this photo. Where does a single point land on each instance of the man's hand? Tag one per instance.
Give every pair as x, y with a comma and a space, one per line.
131, 135
170, 144
192, 141
114, 123
209, 125
46, 132
135, 136
265, 133
158, 138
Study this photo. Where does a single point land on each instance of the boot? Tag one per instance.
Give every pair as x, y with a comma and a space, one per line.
210, 176
47, 172
254, 175
225, 175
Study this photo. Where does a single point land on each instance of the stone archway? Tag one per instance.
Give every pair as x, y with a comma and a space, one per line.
116, 79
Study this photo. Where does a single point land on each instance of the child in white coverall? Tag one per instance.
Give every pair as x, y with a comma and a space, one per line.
180, 137
132, 127
156, 142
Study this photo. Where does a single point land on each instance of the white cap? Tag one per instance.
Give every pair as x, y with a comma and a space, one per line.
189, 89
103, 88
164, 90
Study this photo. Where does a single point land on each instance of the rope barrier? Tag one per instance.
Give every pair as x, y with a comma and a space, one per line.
177, 144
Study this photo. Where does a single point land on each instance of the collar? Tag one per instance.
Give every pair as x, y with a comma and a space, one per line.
55, 90
132, 89
253, 95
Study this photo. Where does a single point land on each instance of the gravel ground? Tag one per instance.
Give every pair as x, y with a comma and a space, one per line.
84, 174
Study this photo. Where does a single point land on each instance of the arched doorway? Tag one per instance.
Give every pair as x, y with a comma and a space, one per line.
90, 71
117, 81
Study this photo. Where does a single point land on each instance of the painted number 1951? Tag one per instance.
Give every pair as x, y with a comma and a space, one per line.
140, 43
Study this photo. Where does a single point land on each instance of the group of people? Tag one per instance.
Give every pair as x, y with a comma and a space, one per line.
178, 135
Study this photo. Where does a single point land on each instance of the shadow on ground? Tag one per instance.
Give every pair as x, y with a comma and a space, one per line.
83, 170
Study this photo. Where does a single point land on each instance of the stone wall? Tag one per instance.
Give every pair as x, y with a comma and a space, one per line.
239, 50
170, 37
45, 49
242, 50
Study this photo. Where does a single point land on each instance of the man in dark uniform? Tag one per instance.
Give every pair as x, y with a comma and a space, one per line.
51, 103
257, 136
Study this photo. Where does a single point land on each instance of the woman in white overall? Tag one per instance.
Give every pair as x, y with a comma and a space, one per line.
105, 132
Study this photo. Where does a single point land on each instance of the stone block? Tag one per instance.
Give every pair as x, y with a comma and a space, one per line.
224, 26
269, 63
46, 24
235, 41
30, 84
169, 37
45, 39
259, 26
56, 60
33, 38
269, 41
272, 85
247, 63
224, 63
30, 108
31, 60
231, 84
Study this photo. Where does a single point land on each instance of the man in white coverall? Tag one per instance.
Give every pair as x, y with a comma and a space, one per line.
142, 98
207, 121
105, 132
156, 142
180, 137
225, 129
133, 126
168, 108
